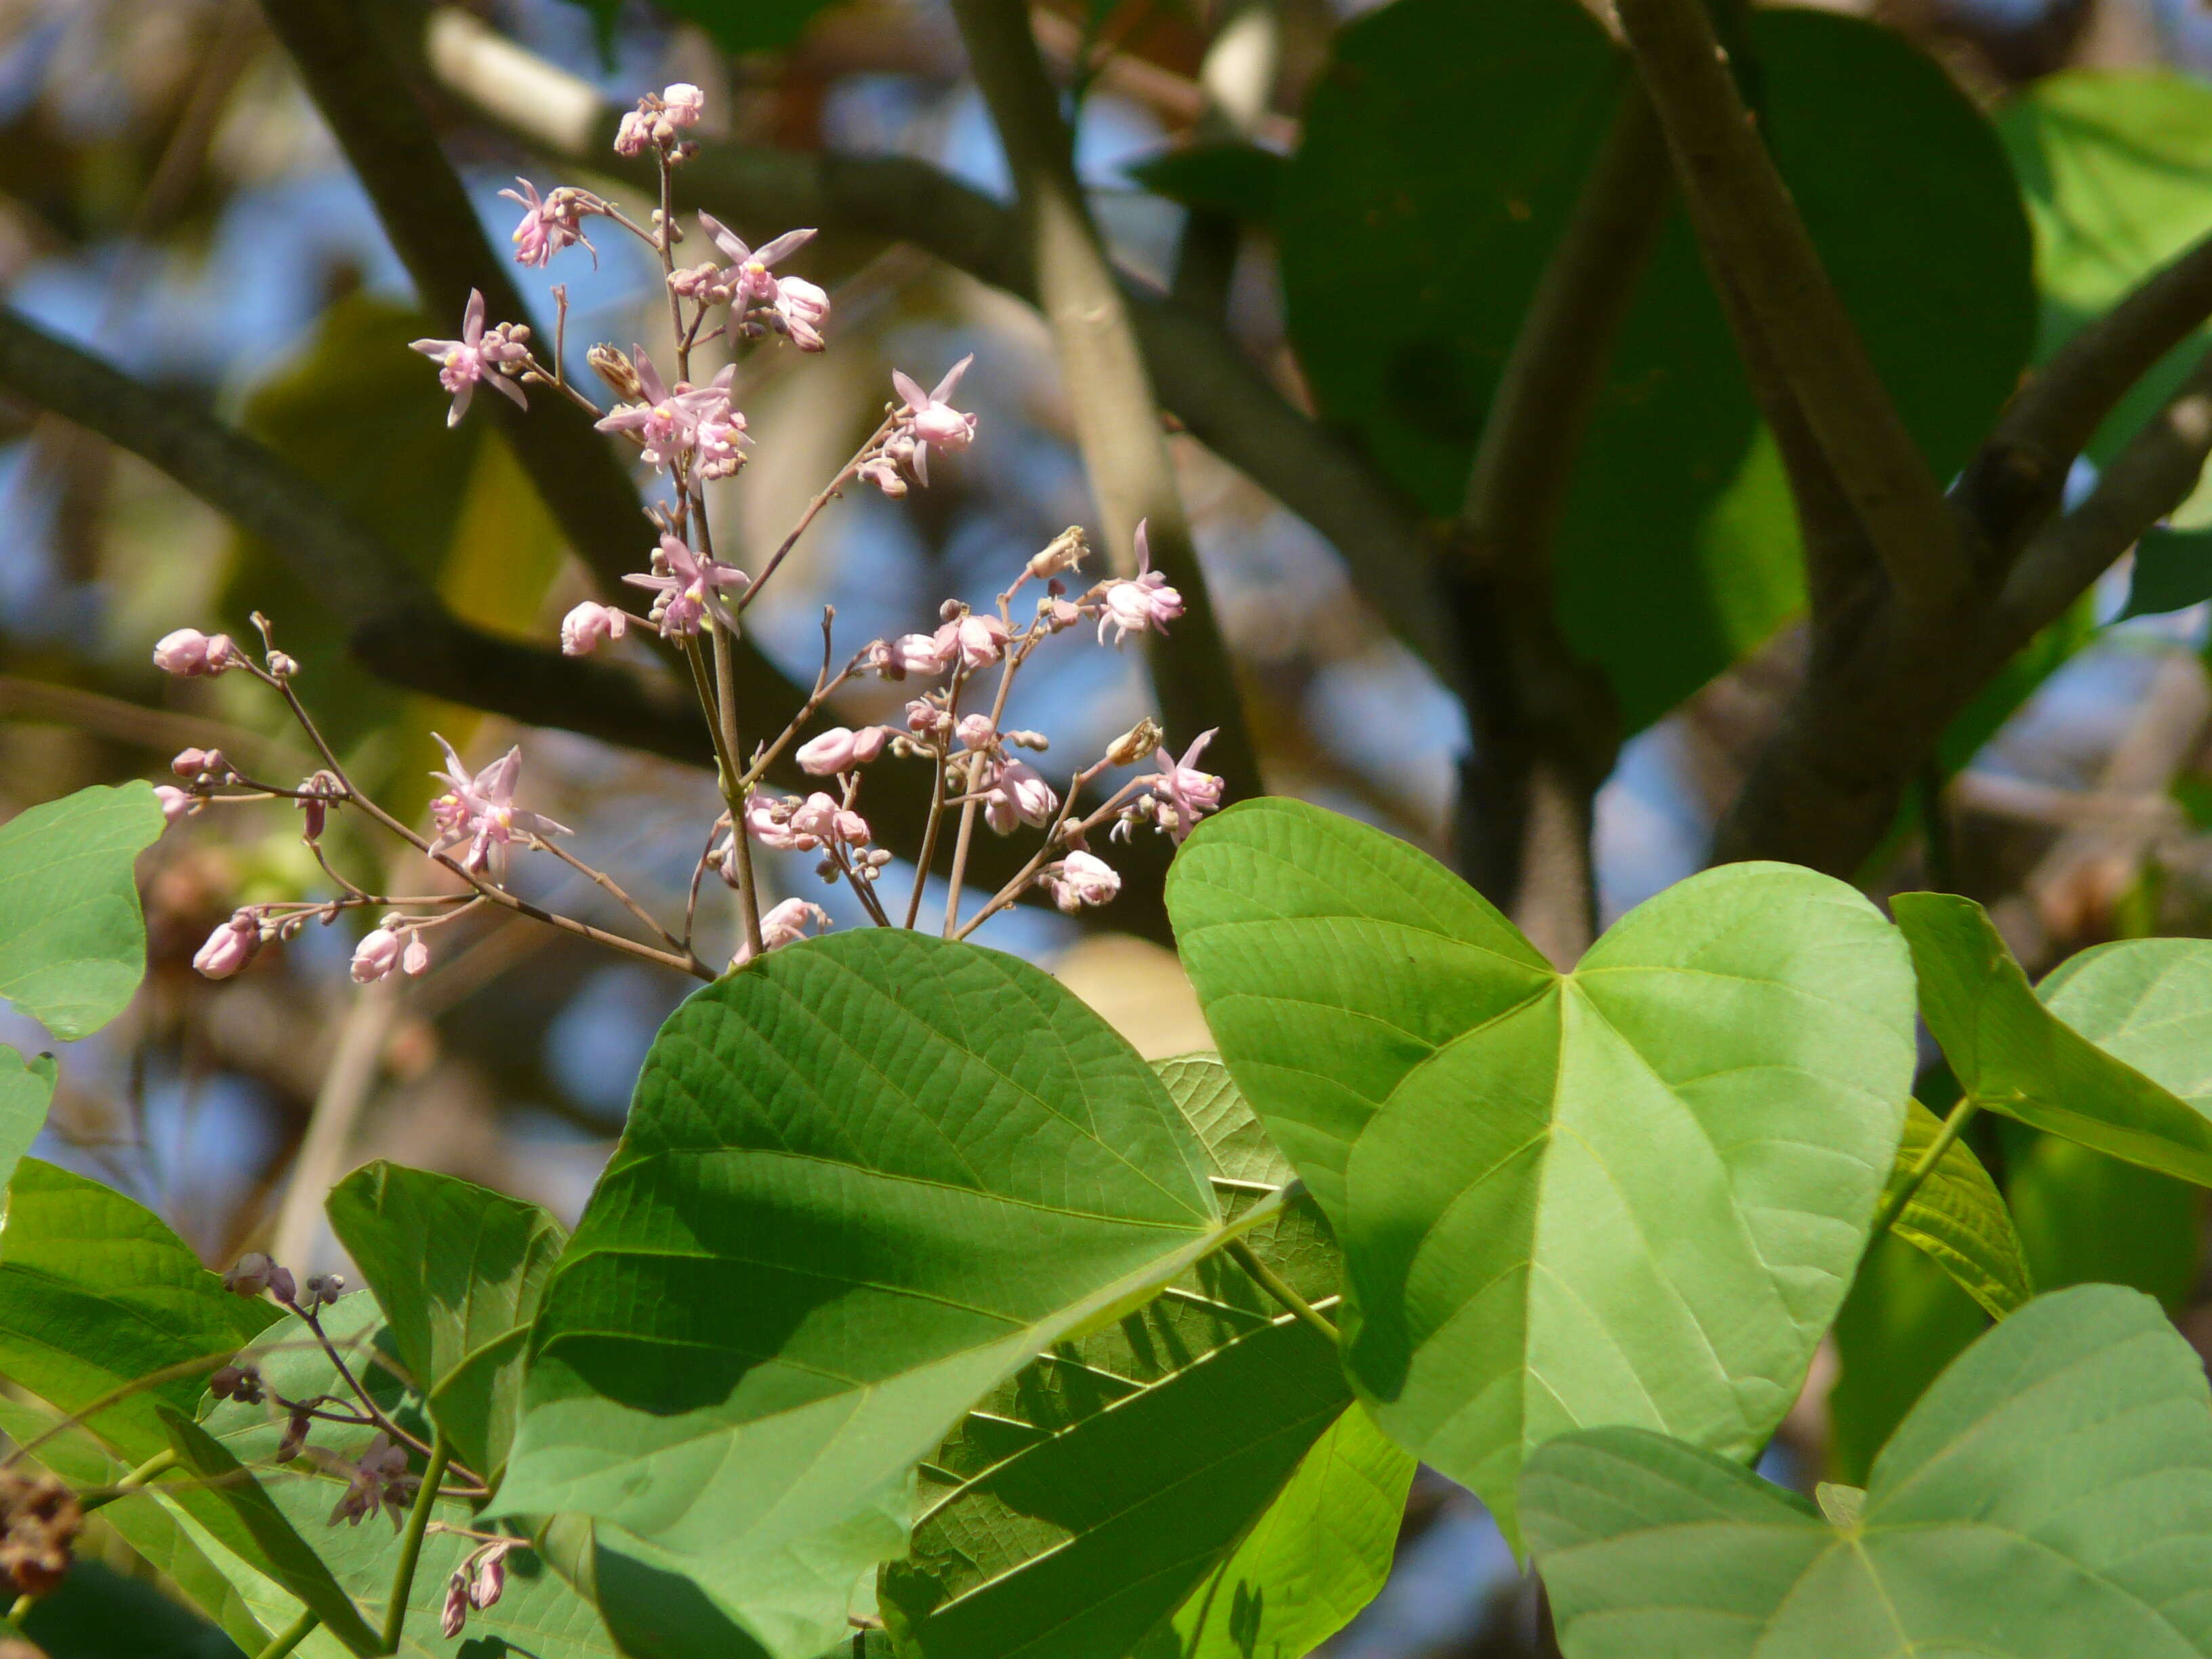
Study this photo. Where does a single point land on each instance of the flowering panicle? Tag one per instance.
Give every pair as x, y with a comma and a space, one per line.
957, 672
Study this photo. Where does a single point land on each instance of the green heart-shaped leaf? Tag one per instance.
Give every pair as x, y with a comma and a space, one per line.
2112, 1054
1957, 1217
2050, 1497
1631, 1194
458, 1270
864, 1181
72, 938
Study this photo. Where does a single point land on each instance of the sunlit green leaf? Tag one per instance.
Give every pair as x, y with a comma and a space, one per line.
72, 938
1957, 1216
2116, 168
458, 1271
1634, 1193
2051, 1497
2072, 1067
863, 1181
27, 1087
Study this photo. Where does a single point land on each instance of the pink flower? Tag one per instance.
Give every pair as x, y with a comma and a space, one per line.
481, 812
1144, 601
754, 284
690, 588
682, 103
933, 419
976, 732
840, 749
925, 719
1081, 878
377, 955
666, 422
1018, 794
883, 472
719, 436
786, 924
477, 356
979, 640
1190, 794
195, 655
551, 223
589, 626
633, 133
175, 803
230, 947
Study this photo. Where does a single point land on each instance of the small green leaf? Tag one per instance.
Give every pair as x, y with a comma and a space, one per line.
2173, 571
459, 1270
863, 1181
1904, 1320
1635, 1193
2085, 1218
1231, 177
27, 1088
1957, 1217
2051, 1497
2071, 1067
96, 1294
72, 938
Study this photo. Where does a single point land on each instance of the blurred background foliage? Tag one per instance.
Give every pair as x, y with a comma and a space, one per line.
1982, 177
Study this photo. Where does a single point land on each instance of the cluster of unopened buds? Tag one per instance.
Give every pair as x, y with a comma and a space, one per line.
956, 675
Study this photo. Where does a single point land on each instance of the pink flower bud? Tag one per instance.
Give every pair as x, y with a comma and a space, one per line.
589, 626
175, 802
925, 719
377, 955
925, 654
839, 750
1019, 794
415, 960
251, 1276
455, 1618
976, 732
230, 947
193, 654
490, 1579
1081, 878
191, 762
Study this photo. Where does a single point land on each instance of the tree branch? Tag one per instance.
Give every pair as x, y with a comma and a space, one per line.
2147, 480
1547, 728
1754, 239
1117, 421
2018, 479
1222, 399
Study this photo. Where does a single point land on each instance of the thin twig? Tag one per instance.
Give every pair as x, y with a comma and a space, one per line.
410, 1544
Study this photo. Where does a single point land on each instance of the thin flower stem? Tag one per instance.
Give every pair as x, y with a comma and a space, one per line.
490, 891
1016, 655
1954, 1126
376, 1413
154, 1467
822, 693
740, 837
1272, 1282
698, 873
666, 243
928, 855
292, 1634
815, 506
613, 889
410, 1545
